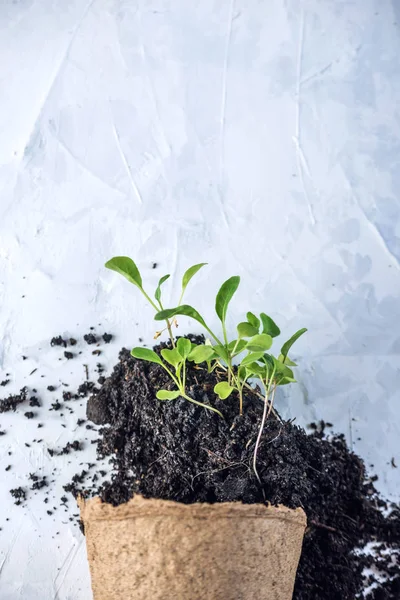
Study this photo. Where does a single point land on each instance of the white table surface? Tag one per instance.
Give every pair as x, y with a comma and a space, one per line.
261, 137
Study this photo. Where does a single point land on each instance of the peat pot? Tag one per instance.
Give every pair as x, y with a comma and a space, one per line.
164, 550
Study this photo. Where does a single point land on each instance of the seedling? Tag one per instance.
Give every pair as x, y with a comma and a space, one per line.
176, 357
250, 347
127, 267
255, 336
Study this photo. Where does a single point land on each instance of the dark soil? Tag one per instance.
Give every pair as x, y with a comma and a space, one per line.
19, 494
58, 341
12, 401
176, 450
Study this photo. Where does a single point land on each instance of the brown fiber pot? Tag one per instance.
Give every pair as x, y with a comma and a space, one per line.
163, 550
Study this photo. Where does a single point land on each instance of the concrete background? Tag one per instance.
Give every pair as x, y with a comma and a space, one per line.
261, 137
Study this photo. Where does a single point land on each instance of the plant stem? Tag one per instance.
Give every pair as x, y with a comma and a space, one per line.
170, 333
171, 337
174, 379
201, 404
248, 386
264, 417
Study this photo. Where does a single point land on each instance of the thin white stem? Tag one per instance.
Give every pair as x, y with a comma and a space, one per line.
264, 418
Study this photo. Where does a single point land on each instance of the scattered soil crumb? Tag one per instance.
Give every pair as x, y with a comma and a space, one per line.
13, 400
19, 494
58, 341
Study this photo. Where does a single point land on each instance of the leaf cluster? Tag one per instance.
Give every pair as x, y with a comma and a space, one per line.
245, 357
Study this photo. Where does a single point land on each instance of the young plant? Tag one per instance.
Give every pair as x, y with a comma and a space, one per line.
257, 364
176, 358
255, 337
126, 266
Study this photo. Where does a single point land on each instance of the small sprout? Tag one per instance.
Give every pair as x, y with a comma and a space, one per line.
254, 339
126, 267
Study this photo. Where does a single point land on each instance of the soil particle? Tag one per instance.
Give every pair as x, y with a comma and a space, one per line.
39, 482
86, 388
19, 494
75, 486
4, 382
51, 388
96, 352
68, 355
33, 401
30, 414
72, 342
176, 450
56, 406
12, 401
74, 446
58, 341
107, 337
90, 338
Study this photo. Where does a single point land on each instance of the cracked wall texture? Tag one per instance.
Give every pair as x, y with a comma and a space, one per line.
261, 137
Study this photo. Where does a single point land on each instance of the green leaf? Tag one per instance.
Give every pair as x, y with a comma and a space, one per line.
172, 357
259, 342
191, 272
184, 347
157, 294
256, 369
146, 354
287, 361
269, 326
240, 346
253, 320
126, 267
221, 352
201, 354
242, 373
269, 361
253, 356
167, 394
184, 309
223, 389
224, 296
286, 380
246, 330
287, 345
282, 372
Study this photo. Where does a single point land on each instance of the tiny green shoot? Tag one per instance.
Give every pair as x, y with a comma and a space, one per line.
126, 267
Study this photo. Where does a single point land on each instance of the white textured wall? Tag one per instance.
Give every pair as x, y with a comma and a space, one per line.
260, 136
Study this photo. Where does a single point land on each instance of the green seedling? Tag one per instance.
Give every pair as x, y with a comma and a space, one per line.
126, 267
254, 339
254, 336
176, 358
242, 359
